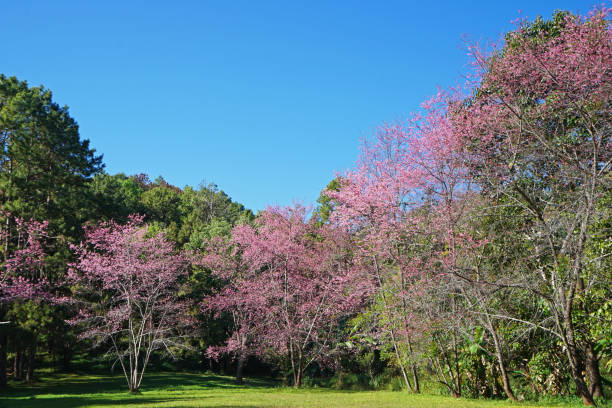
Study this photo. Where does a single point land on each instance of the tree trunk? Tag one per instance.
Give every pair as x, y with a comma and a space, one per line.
592, 372
391, 331
239, 368
401, 366
576, 363
66, 358
497, 390
299, 374
15, 364
506, 381
456, 357
134, 380
31, 361
581, 387
502, 366
415, 378
413, 367
18, 364
3, 365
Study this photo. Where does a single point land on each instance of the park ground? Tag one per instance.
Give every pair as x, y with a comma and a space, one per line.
207, 390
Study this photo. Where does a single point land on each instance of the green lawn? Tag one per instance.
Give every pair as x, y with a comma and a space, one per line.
204, 390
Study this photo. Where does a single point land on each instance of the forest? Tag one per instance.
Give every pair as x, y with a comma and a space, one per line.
467, 253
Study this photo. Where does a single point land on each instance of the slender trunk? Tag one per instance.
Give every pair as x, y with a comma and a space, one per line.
413, 368
293, 366
593, 375
15, 364
22, 364
31, 361
392, 332
66, 358
415, 378
592, 371
241, 360
502, 366
576, 362
453, 391
505, 379
452, 381
299, 373
497, 390
134, 387
239, 368
18, 364
400, 363
456, 357
3, 367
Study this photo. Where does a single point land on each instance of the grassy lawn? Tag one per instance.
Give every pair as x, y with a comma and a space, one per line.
204, 390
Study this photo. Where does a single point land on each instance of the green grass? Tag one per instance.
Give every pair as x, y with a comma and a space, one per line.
205, 390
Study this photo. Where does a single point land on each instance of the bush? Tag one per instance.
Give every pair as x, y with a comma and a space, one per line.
351, 381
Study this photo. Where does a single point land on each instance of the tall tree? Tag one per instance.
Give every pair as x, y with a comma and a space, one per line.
44, 165
44, 168
23, 273
539, 131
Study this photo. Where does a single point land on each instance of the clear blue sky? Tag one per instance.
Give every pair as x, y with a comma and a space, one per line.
266, 99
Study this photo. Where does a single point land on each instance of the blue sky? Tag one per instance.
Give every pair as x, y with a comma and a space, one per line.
266, 99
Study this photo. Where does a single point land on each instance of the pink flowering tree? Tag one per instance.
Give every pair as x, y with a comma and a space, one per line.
23, 274
406, 203
125, 286
296, 283
538, 132
223, 258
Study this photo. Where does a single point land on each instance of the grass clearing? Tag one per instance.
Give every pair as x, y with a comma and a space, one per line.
207, 390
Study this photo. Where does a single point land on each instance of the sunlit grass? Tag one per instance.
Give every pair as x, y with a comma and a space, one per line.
205, 390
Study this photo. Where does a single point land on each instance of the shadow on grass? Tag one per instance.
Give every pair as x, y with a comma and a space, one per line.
71, 390
74, 402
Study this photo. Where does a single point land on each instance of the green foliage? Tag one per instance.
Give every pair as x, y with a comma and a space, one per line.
540, 29
116, 197
208, 212
161, 204
325, 205
547, 373
44, 165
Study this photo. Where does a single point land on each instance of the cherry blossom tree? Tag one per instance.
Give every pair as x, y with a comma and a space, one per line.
223, 258
406, 201
297, 284
22, 275
126, 286
538, 131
